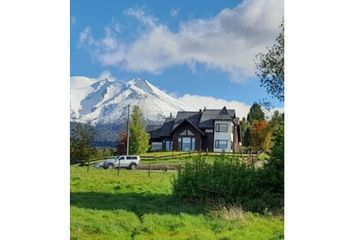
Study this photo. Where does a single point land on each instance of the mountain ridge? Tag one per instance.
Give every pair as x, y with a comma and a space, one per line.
105, 101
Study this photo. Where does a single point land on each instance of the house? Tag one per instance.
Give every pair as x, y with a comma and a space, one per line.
213, 130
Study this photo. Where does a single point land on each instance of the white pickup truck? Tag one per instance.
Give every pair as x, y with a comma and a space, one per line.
122, 161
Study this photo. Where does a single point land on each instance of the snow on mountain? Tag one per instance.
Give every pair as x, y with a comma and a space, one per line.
105, 101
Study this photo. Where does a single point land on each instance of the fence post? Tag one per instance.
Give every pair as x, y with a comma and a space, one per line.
88, 164
149, 170
118, 169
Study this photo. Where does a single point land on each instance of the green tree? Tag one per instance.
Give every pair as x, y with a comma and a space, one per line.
270, 67
256, 113
81, 143
277, 119
138, 138
122, 143
278, 146
261, 134
245, 132
247, 138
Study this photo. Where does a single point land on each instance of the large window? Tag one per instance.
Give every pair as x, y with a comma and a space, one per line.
168, 145
221, 127
221, 144
186, 143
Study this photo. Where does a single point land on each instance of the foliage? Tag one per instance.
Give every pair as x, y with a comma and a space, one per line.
273, 173
138, 138
81, 143
103, 152
270, 67
122, 143
135, 206
247, 137
278, 147
232, 182
277, 120
255, 113
263, 156
245, 132
261, 134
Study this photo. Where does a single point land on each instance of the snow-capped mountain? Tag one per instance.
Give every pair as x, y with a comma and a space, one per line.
105, 101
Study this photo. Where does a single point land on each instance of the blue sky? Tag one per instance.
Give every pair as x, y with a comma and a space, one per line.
199, 48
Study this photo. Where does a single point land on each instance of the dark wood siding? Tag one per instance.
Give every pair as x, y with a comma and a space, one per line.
208, 142
236, 140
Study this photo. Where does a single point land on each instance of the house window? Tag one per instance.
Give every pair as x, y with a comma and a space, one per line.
221, 127
222, 144
186, 133
168, 145
189, 133
156, 146
186, 143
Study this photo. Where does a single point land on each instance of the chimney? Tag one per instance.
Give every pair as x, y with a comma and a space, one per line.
170, 114
204, 108
200, 110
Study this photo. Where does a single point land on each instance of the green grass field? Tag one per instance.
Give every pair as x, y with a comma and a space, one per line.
135, 206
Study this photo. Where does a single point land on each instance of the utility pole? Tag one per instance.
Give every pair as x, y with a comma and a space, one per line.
128, 130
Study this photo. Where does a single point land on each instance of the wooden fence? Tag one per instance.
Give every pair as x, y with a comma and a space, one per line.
249, 158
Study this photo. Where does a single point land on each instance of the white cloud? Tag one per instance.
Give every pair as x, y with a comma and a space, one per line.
86, 37
174, 12
140, 14
106, 75
227, 42
196, 102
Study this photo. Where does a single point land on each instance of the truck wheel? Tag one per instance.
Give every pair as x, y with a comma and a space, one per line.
132, 166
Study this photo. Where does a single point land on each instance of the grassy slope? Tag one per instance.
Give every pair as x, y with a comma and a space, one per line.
135, 206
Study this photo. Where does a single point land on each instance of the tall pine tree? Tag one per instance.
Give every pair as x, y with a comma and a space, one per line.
138, 138
256, 113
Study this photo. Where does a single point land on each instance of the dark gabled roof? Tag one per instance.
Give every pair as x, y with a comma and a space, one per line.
154, 132
192, 124
151, 127
223, 111
166, 128
194, 117
163, 130
209, 115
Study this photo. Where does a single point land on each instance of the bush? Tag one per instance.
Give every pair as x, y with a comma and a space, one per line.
231, 182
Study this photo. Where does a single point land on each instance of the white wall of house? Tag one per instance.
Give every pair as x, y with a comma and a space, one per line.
223, 136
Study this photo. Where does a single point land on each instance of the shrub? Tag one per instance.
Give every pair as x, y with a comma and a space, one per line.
231, 182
